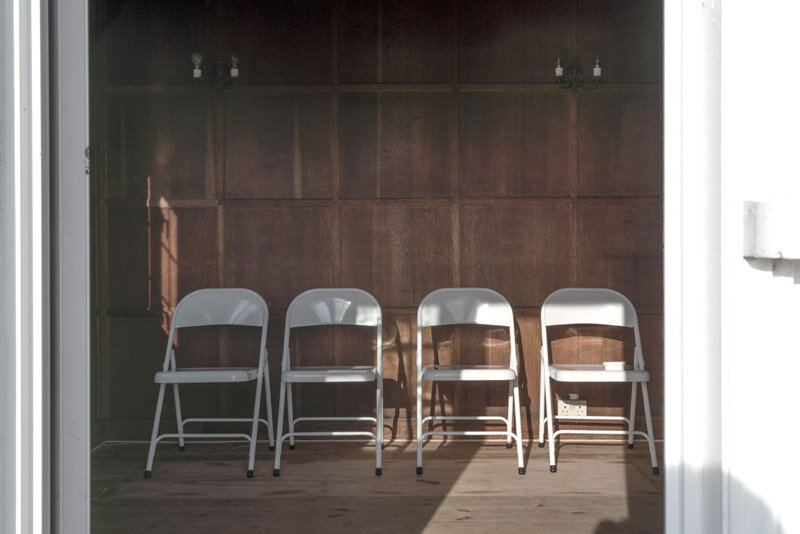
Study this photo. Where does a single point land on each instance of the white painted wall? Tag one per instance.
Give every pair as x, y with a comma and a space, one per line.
761, 298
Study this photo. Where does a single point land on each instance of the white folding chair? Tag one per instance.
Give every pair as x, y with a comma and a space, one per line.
468, 306
592, 306
331, 306
215, 307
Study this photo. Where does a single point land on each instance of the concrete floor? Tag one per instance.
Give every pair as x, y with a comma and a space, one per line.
467, 486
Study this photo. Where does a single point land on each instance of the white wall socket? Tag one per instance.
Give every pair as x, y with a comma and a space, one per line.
571, 407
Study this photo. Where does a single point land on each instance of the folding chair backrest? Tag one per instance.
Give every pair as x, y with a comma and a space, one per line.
332, 306
590, 306
578, 305
217, 307
220, 306
465, 305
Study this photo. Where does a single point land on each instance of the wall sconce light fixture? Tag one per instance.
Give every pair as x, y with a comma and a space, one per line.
224, 74
573, 79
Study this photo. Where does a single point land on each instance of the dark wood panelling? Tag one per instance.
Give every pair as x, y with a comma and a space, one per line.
620, 246
514, 40
394, 146
279, 252
136, 354
278, 146
165, 146
620, 142
260, 32
397, 253
358, 41
628, 36
516, 144
521, 251
418, 43
150, 41
157, 256
397, 145
358, 148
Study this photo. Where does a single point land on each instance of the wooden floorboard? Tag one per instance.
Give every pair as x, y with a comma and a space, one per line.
331, 487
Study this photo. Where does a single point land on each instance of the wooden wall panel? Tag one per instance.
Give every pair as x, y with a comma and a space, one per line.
136, 354
260, 33
418, 44
278, 145
165, 145
628, 37
397, 145
158, 255
358, 41
397, 253
139, 32
514, 40
620, 143
620, 246
279, 252
399, 373
515, 144
521, 251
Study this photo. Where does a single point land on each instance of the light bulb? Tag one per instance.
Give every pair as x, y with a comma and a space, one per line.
197, 61
234, 67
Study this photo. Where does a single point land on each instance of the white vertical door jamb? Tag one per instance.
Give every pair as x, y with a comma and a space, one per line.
70, 250
694, 475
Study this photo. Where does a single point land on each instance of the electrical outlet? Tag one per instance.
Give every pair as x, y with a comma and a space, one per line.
572, 407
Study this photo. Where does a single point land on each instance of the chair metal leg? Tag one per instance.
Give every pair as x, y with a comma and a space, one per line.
379, 426
549, 406
649, 420
290, 411
254, 430
419, 424
178, 417
281, 402
632, 423
268, 395
518, 423
541, 406
511, 392
156, 420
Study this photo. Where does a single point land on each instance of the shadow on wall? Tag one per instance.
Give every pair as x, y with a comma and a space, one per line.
780, 268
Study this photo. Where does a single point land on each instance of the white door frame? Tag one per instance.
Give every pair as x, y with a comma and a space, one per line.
694, 496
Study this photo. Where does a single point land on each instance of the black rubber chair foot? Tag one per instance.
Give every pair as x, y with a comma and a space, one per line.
656, 471
147, 474
509, 445
378, 471
630, 445
182, 448
276, 472
272, 447
541, 444
553, 469
249, 473
291, 447
521, 470
419, 470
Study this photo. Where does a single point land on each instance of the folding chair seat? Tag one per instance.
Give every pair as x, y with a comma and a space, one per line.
206, 308
468, 306
330, 307
591, 306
